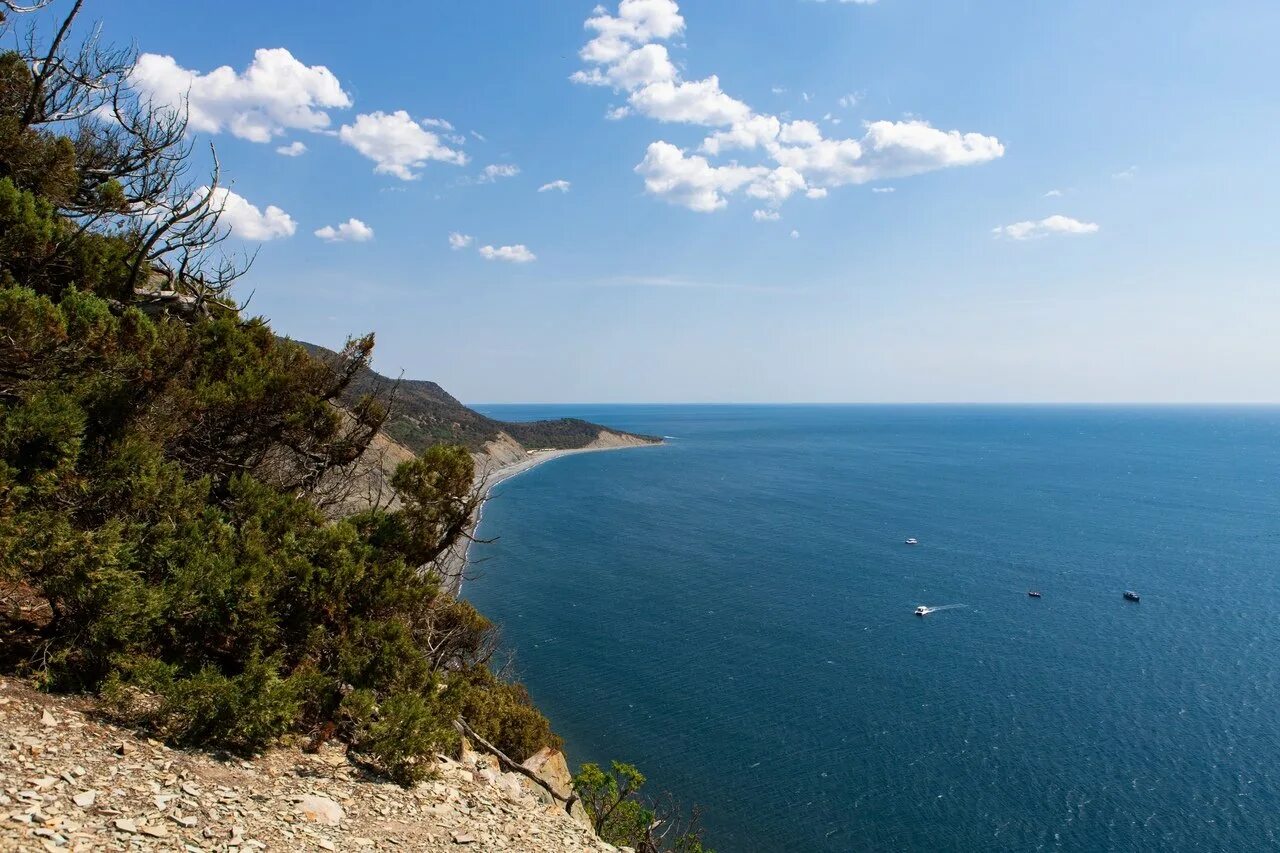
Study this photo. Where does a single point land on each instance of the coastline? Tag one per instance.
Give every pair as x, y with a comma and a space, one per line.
492, 470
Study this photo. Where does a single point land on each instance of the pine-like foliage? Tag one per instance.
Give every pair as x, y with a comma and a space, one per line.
157, 470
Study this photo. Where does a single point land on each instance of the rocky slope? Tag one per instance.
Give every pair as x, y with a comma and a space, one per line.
71, 782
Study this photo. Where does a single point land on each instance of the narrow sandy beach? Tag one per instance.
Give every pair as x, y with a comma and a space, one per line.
489, 475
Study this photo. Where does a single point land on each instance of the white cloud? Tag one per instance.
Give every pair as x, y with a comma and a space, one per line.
883, 189
777, 185
1053, 194
639, 67
494, 171
1056, 224
766, 215
901, 148
638, 22
795, 235
693, 182
558, 186
754, 132
246, 220
624, 55
517, 254
437, 122
351, 231
850, 100
690, 102
1126, 174
273, 94
458, 240
293, 149
397, 143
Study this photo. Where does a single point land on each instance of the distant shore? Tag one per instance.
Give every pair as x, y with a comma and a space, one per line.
490, 475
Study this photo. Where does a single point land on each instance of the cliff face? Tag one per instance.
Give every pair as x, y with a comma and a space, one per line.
423, 414
69, 781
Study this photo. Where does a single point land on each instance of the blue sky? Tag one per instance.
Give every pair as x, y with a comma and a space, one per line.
1127, 153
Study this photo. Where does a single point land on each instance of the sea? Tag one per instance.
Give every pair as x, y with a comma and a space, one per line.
733, 613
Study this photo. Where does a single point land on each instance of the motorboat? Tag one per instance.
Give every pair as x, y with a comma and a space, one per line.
913, 541
922, 610
1130, 595
1033, 593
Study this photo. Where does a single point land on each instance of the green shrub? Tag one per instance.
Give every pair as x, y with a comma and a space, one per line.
622, 815
405, 731
160, 474
503, 714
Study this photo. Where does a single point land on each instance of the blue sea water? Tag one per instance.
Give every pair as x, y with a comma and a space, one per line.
732, 612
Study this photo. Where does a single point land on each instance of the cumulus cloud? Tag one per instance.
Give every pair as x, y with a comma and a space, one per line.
558, 186
274, 93
690, 180
883, 189
458, 240
351, 231
795, 235
690, 102
1053, 194
246, 220
638, 22
397, 144
791, 156
517, 254
1057, 224
765, 215
293, 149
494, 171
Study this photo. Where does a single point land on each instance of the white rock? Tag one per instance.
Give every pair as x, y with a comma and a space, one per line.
320, 810
85, 799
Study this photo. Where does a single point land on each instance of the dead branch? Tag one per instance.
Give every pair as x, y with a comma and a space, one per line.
512, 766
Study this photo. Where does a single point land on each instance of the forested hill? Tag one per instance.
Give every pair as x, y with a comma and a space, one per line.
423, 413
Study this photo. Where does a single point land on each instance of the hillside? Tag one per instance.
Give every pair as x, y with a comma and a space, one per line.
423, 414
71, 780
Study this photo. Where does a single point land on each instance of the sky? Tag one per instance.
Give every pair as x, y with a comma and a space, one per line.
766, 201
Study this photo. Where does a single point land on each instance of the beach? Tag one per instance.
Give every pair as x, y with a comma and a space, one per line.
504, 459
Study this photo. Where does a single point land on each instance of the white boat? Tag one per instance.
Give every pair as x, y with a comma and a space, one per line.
913, 541
922, 610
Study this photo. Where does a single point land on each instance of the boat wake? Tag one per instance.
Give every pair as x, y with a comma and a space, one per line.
928, 610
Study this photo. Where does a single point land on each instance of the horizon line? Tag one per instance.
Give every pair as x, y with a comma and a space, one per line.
1008, 404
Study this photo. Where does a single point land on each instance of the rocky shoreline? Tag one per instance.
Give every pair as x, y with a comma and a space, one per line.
71, 782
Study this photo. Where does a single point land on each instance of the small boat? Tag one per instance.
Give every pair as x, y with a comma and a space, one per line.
913, 541
922, 610
1033, 593
1130, 595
